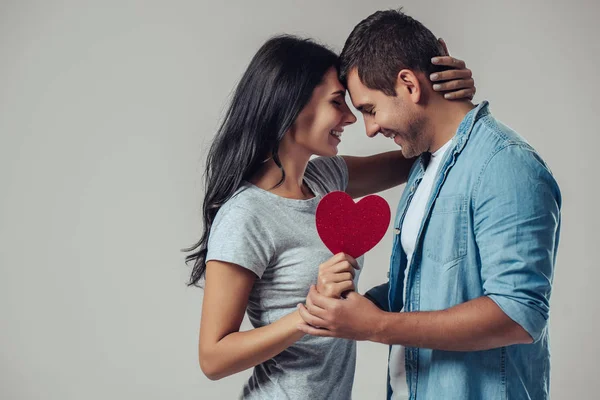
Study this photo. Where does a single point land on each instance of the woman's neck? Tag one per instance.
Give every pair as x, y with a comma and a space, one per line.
293, 187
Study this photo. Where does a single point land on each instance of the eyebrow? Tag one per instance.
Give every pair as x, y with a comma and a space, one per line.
339, 92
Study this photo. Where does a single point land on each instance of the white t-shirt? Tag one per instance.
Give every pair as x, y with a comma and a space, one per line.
410, 230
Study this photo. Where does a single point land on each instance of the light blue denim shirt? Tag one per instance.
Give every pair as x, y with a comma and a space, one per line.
491, 228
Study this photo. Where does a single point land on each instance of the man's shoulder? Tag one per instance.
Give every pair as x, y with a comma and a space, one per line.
511, 163
498, 146
494, 136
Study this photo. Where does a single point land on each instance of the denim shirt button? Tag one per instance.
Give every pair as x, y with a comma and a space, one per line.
396, 231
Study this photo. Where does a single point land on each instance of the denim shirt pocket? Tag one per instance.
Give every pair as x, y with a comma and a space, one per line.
446, 235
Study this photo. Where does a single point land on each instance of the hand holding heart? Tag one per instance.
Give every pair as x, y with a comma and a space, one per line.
349, 230
336, 275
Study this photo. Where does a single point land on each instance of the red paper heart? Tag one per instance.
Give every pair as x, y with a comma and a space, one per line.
352, 228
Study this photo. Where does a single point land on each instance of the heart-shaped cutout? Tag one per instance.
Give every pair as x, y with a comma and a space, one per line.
349, 227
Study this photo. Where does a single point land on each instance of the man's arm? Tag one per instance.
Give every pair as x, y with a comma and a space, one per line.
472, 326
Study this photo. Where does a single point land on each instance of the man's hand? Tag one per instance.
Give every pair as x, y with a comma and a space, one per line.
354, 317
336, 276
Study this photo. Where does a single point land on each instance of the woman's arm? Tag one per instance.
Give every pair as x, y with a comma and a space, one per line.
223, 349
367, 175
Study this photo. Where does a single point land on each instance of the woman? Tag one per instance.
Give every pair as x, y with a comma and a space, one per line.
260, 251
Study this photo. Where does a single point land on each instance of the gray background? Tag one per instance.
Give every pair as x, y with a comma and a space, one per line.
106, 109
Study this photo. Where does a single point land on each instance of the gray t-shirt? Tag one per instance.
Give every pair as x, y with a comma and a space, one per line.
277, 239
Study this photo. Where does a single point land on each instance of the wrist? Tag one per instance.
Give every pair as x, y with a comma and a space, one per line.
296, 319
380, 324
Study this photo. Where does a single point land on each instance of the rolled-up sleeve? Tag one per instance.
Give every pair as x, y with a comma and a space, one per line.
517, 223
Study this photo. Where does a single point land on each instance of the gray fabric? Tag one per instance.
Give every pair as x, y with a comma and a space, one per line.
276, 238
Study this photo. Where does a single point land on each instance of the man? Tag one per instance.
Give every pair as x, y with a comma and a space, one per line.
476, 234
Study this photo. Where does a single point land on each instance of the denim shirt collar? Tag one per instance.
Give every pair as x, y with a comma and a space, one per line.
462, 136
466, 126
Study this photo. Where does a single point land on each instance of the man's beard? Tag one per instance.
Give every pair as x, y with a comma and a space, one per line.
414, 138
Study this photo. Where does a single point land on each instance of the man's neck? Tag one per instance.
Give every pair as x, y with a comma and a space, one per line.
446, 117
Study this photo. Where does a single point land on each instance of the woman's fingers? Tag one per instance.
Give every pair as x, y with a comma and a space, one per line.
454, 85
448, 61
451, 74
461, 94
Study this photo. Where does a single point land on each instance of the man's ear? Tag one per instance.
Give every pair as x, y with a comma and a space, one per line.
444, 47
408, 84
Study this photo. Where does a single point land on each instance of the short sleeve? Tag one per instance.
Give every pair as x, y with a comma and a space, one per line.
332, 172
237, 237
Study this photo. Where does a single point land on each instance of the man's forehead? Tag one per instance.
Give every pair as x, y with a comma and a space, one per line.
353, 78
357, 90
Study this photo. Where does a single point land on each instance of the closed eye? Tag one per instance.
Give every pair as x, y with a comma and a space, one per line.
366, 109
369, 112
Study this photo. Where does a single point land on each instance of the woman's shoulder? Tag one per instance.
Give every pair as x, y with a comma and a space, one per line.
243, 202
239, 197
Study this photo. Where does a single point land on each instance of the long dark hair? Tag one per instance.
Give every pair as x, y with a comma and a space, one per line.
276, 86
